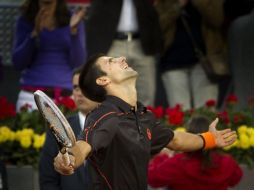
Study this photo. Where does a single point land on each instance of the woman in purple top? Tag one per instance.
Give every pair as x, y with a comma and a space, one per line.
49, 44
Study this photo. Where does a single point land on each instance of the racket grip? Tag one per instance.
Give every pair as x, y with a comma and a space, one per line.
66, 158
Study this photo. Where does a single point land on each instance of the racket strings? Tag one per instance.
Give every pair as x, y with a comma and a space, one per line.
56, 126
56, 120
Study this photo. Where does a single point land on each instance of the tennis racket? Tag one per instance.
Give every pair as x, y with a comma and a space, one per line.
57, 123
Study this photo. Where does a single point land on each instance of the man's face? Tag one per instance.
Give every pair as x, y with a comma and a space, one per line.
84, 104
117, 69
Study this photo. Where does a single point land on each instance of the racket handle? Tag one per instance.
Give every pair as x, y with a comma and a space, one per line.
66, 159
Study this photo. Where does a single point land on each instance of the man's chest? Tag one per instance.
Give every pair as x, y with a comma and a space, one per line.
133, 134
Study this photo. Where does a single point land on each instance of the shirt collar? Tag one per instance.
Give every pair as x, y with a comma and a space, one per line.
82, 119
124, 106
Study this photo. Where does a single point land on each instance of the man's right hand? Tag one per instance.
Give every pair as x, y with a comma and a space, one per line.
61, 168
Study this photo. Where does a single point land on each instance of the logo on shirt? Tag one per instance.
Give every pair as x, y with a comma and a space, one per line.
149, 134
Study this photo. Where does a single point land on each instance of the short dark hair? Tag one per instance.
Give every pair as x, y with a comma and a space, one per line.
198, 124
87, 79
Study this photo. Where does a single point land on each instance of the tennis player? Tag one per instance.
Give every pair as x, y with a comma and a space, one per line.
121, 134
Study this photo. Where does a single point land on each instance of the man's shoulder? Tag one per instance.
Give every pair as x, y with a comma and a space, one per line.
103, 111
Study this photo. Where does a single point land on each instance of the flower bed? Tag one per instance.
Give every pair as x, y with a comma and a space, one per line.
22, 134
240, 120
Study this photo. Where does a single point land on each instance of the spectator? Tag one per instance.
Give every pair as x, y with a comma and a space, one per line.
49, 178
183, 77
194, 170
127, 28
49, 44
241, 43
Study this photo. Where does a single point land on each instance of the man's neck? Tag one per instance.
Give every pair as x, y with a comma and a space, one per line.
127, 93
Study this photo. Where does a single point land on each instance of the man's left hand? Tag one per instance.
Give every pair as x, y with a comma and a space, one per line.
224, 137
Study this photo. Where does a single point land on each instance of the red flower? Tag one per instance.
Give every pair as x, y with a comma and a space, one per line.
158, 111
175, 115
224, 117
6, 109
178, 107
231, 99
66, 102
210, 103
238, 118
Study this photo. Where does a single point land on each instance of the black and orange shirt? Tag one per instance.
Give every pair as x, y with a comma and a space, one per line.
122, 140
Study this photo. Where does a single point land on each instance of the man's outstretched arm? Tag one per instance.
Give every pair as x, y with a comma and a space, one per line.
187, 142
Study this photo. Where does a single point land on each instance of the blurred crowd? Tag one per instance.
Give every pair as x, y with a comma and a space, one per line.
161, 39
50, 40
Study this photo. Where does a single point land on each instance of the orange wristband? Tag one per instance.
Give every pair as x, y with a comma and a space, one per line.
209, 140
